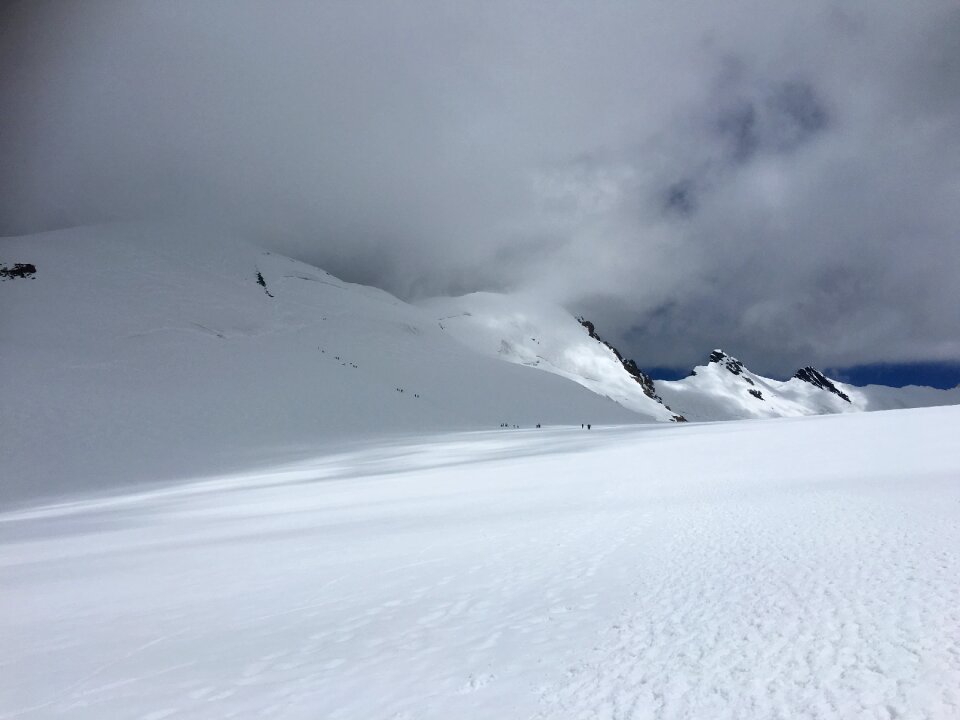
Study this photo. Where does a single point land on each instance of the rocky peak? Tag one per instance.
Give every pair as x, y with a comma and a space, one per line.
728, 361
818, 379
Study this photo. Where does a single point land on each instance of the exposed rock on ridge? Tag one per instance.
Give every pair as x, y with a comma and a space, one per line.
818, 379
731, 363
644, 380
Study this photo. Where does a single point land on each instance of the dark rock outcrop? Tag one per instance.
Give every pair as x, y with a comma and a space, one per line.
19, 270
756, 393
818, 379
646, 382
263, 283
731, 363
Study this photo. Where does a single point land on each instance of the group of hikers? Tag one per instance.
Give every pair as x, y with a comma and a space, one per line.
583, 426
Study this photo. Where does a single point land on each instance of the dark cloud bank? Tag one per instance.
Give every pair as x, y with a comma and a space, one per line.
780, 179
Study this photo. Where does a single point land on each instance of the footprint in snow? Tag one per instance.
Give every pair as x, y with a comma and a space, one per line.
475, 682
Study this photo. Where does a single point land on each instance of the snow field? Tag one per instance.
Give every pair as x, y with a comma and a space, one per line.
801, 568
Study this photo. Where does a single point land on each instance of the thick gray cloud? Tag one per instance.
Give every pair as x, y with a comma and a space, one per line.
781, 179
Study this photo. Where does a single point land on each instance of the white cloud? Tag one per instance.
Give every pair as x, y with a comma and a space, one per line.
779, 178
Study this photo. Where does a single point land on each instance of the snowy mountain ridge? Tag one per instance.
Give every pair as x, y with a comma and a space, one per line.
527, 331
815, 377
630, 365
138, 353
725, 389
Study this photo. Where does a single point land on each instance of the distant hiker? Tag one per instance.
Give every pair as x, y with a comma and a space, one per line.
581, 426
588, 426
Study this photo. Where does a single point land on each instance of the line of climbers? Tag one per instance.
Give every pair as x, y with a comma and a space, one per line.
583, 426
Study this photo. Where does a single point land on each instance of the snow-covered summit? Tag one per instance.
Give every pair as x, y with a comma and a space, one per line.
726, 389
728, 361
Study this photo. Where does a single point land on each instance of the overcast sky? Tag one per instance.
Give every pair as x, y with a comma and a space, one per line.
781, 179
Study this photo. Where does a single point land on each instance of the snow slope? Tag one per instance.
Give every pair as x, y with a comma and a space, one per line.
138, 354
725, 389
524, 330
694, 571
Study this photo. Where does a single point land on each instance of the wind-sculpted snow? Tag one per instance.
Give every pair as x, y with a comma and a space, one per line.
697, 571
